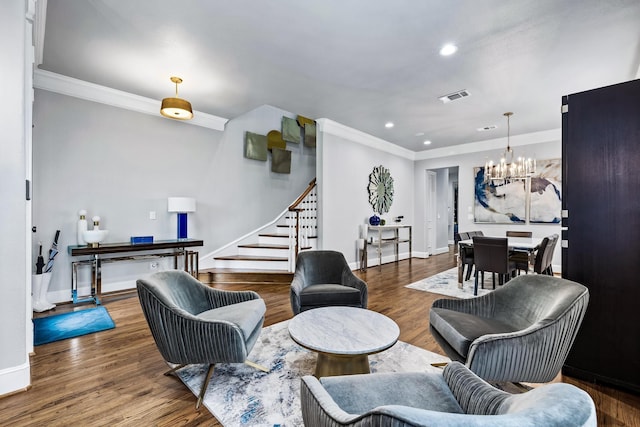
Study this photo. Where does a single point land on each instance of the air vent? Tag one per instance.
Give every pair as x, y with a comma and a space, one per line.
454, 96
487, 128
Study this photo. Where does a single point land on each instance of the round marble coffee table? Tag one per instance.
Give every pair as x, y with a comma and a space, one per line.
343, 337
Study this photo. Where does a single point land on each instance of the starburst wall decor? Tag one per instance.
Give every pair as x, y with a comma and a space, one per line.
380, 190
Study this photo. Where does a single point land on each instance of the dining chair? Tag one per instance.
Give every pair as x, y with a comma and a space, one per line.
465, 253
544, 257
491, 254
519, 256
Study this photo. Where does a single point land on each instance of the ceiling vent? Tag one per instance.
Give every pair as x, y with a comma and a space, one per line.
454, 96
487, 128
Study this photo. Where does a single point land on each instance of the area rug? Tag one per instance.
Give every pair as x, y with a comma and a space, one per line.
446, 283
69, 325
239, 395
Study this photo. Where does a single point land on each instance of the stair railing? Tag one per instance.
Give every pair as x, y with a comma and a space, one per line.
302, 222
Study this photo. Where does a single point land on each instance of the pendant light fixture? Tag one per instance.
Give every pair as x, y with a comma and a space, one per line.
176, 108
507, 169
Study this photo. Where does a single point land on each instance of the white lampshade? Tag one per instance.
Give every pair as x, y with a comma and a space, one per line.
181, 204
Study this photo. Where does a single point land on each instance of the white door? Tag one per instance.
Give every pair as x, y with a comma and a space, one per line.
430, 212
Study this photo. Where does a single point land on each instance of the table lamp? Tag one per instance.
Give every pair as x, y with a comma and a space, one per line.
181, 205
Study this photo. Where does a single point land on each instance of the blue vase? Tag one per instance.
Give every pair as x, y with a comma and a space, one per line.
374, 220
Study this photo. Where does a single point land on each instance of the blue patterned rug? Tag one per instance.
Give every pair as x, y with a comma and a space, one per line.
446, 283
69, 325
239, 395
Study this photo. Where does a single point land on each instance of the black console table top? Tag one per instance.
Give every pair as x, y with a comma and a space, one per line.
109, 248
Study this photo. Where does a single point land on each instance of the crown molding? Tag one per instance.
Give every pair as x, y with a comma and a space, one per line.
492, 144
342, 131
53, 82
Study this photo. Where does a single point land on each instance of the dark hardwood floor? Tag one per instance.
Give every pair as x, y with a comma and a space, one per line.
115, 377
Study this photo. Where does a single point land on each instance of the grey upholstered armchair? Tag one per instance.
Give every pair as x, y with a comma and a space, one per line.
323, 278
193, 323
522, 331
455, 398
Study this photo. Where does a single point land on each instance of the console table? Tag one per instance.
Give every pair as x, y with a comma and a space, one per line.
381, 235
113, 252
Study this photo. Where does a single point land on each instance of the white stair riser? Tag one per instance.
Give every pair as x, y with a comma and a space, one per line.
264, 252
251, 265
273, 240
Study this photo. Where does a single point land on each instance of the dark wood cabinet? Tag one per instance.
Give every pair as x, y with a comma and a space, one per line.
601, 238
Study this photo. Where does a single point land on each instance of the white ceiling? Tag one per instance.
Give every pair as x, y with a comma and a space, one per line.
358, 62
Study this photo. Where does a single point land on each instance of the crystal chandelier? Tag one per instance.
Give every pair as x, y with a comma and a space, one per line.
508, 169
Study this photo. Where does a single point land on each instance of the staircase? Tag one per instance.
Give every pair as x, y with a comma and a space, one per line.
268, 256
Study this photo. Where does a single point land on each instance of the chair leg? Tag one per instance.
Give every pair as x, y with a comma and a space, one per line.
173, 370
469, 268
493, 280
475, 286
205, 385
482, 279
256, 366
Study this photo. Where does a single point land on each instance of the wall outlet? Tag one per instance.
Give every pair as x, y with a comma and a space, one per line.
152, 214
153, 265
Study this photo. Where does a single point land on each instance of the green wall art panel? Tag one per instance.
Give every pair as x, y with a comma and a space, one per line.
280, 160
255, 146
310, 134
290, 130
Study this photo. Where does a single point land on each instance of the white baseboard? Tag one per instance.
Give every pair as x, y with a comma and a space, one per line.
16, 378
57, 297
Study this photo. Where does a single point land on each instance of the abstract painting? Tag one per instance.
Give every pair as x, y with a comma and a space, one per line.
511, 203
499, 203
546, 192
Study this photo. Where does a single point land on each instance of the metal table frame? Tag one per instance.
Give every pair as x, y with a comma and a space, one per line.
104, 254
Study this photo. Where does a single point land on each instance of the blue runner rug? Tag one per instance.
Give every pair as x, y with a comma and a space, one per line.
70, 325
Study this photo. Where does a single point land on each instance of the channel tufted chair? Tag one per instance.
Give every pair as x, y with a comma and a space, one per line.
192, 323
323, 278
521, 332
454, 398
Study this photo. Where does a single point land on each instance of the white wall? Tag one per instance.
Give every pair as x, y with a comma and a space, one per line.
121, 165
346, 157
14, 361
542, 145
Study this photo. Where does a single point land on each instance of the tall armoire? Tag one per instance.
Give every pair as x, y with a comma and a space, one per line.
601, 233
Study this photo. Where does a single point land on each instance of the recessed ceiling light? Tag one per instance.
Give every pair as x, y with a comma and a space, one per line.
448, 49
427, 142
388, 125
420, 134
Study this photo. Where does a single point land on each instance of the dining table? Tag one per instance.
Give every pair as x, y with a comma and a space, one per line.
528, 244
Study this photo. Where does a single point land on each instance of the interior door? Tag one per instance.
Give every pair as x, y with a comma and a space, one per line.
430, 212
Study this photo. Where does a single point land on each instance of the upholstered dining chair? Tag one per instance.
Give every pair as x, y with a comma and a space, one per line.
521, 332
543, 263
465, 253
491, 254
323, 278
520, 257
456, 397
192, 323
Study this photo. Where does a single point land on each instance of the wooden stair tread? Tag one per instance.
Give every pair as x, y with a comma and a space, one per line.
252, 258
282, 235
268, 246
243, 271
263, 246
222, 276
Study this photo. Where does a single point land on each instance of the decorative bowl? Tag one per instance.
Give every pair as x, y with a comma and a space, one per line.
94, 237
